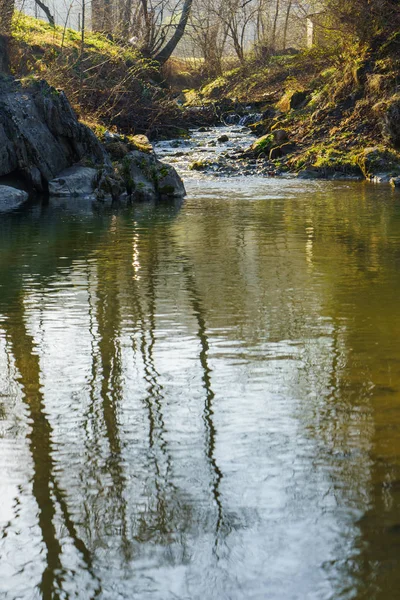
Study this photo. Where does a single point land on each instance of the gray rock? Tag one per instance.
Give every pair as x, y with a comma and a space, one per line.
168, 182
144, 189
309, 174
73, 182
40, 135
151, 179
11, 198
382, 178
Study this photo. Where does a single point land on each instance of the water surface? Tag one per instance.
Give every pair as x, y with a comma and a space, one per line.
202, 402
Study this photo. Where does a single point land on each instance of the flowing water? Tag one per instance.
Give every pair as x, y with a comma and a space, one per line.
202, 402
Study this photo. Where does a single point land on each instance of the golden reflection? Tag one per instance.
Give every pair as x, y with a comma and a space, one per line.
135, 255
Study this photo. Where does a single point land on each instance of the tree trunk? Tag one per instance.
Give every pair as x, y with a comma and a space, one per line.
289, 7
46, 11
170, 46
275, 25
6, 14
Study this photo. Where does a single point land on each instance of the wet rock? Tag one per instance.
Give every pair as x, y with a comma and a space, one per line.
109, 186
310, 174
11, 198
382, 178
223, 138
73, 182
147, 178
140, 186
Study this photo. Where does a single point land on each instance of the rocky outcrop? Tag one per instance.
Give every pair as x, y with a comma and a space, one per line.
40, 135
43, 144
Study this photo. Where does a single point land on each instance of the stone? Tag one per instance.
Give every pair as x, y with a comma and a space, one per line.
275, 153
309, 174
40, 135
391, 124
382, 178
223, 138
280, 136
11, 198
379, 163
144, 189
74, 182
168, 182
142, 143
288, 148
299, 99
261, 127
147, 178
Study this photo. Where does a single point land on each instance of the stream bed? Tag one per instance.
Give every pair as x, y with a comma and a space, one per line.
201, 401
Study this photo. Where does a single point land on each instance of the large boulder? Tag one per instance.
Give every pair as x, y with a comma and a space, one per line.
40, 135
11, 198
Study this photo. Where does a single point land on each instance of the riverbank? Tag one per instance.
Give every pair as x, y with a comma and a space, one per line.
322, 114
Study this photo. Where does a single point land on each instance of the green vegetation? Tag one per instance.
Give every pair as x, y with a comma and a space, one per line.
110, 85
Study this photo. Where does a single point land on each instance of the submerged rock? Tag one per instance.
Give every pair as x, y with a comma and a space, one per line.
11, 198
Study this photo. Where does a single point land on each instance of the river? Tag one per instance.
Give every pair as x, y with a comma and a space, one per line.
202, 401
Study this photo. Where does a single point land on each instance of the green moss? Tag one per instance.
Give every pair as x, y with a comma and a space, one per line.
198, 165
378, 160
329, 159
263, 144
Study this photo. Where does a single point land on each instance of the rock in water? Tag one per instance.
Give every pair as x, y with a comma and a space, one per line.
40, 135
11, 198
149, 178
73, 182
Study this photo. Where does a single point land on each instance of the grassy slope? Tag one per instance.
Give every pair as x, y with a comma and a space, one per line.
108, 85
349, 97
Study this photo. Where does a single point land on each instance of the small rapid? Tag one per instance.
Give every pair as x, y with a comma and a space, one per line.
212, 152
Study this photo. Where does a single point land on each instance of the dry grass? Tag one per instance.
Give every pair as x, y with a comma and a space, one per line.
107, 83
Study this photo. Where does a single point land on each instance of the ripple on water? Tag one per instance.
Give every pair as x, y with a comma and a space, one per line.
202, 403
